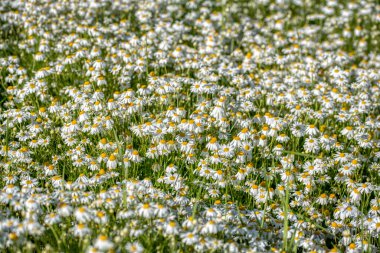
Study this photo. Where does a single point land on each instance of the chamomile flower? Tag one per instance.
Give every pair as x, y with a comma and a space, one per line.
134, 247
81, 230
171, 228
189, 238
82, 214
112, 162
146, 210
103, 243
312, 145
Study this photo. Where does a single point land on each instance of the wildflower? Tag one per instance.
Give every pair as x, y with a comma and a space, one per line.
82, 214
346, 170
298, 130
348, 132
81, 230
134, 247
355, 195
213, 144
312, 130
101, 217
112, 162
365, 188
103, 243
211, 227
323, 199
135, 157
282, 138
189, 238
311, 145
171, 228
145, 210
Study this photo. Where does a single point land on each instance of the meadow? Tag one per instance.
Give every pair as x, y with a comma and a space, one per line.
189, 126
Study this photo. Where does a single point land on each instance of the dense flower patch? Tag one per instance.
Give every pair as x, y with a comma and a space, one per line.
189, 126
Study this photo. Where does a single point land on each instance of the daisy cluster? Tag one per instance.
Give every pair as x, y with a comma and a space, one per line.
189, 126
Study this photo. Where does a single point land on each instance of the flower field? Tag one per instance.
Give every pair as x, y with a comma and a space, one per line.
189, 126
